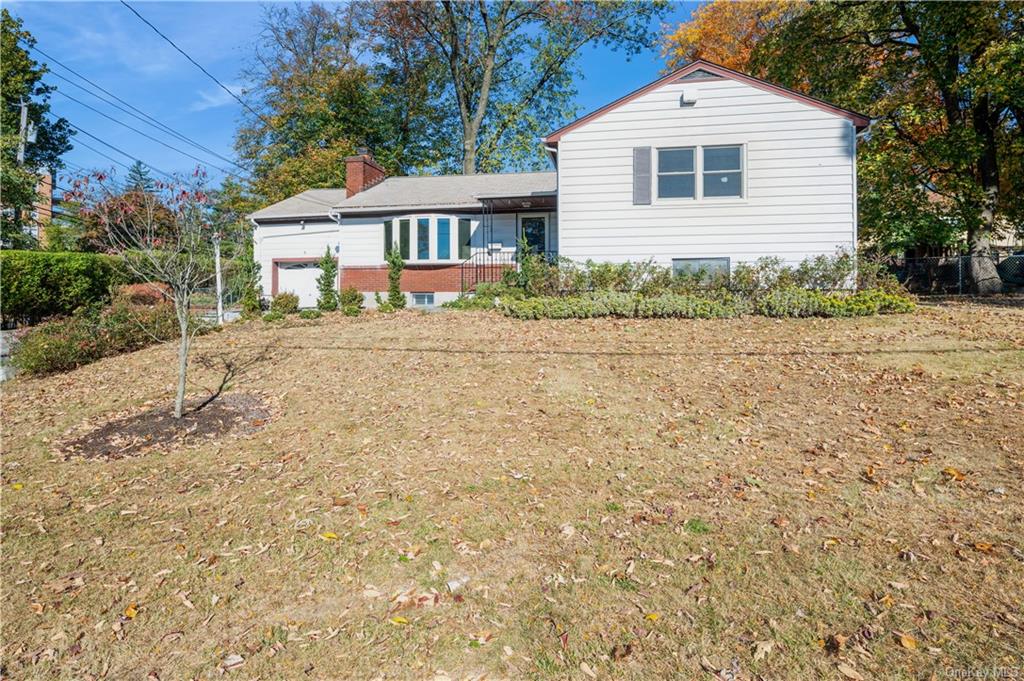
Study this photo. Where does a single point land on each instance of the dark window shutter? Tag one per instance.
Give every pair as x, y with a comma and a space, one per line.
403, 238
464, 246
641, 176
388, 238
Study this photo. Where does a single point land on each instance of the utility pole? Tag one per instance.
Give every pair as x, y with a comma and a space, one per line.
216, 266
23, 131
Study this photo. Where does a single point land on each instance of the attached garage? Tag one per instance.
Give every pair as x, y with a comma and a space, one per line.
298, 277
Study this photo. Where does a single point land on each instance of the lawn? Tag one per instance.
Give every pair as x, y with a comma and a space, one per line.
608, 499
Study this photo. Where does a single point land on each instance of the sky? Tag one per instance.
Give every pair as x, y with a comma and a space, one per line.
110, 46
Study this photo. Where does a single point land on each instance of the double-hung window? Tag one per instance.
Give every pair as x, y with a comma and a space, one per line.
722, 171
676, 174
700, 172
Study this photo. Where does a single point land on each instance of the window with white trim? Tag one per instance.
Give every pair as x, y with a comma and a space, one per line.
676, 174
429, 238
722, 171
422, 299
701, 172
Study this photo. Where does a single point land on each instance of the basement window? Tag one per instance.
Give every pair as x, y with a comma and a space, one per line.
423, 299
704, 269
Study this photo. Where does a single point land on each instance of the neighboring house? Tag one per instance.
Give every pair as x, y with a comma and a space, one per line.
704, 168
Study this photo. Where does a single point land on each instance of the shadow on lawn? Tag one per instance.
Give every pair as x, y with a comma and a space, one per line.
132, 433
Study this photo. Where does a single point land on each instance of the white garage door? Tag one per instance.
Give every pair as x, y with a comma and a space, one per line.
299, 278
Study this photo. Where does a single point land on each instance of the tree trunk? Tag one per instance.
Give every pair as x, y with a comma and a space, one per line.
179, 399
982, 275
982, 272
469, 154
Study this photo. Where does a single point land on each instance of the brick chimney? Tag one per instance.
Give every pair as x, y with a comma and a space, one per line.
361, 172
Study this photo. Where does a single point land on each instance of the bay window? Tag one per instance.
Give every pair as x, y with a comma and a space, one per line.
428, 238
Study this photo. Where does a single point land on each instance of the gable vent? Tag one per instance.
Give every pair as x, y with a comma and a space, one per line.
699, 74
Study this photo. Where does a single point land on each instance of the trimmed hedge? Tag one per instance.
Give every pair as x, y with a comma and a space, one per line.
94, 333
785, 302
798, 302
39, 284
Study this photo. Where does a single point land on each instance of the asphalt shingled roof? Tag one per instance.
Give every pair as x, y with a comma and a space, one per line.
414, 192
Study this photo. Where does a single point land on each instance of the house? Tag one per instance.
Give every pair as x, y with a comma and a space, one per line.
704, 168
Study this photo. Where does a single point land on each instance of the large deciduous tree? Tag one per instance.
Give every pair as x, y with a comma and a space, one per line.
320, 94
943, 81
509, 64
21, 80
726, 32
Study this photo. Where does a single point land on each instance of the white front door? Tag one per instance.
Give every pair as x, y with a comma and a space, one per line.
299, 278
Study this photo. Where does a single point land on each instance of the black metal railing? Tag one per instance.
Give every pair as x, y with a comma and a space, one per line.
491, 266
485, 267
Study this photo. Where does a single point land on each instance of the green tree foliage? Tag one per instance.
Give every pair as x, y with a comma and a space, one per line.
319, 100
138, 179
21, 79
509, 65
396, 299
944, 83
246, 280
327, 283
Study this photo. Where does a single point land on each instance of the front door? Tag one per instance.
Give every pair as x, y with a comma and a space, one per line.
535, 231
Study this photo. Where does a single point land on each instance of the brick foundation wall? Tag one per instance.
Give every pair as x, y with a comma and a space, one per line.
437, 278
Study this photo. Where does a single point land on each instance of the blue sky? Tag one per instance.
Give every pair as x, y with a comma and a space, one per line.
106, 43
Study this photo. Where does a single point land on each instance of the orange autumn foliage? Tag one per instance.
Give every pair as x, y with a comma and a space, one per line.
725, 32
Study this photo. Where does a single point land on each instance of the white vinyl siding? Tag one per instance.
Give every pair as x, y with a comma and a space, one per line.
280, 241
796, 195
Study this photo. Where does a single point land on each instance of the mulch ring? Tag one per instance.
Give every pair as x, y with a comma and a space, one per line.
135, 432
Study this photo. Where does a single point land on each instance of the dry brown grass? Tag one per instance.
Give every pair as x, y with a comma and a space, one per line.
635, 499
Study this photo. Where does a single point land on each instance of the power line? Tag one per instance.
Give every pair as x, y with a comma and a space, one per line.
118, 150
148, 136
158, 126
139, 114
197, 64
97, 151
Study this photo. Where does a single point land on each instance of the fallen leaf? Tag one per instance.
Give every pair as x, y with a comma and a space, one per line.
953, 474
849, 672
399, 620
620, 651
834, 643
585, 668
983, 546
17, 485
652, 616
906, 640
328, 536
762, 648
131, 611
233, 662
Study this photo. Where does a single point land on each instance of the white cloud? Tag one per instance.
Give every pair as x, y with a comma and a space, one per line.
215, 97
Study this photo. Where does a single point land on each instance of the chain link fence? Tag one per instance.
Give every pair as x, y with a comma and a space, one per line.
952, 275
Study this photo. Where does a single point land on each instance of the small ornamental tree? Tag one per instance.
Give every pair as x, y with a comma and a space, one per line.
327, 283
248, 281
396, 299
175, 253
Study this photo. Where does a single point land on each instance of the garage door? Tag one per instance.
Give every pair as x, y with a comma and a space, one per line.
299, 278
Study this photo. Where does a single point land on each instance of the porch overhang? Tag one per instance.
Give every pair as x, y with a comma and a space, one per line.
519, 202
